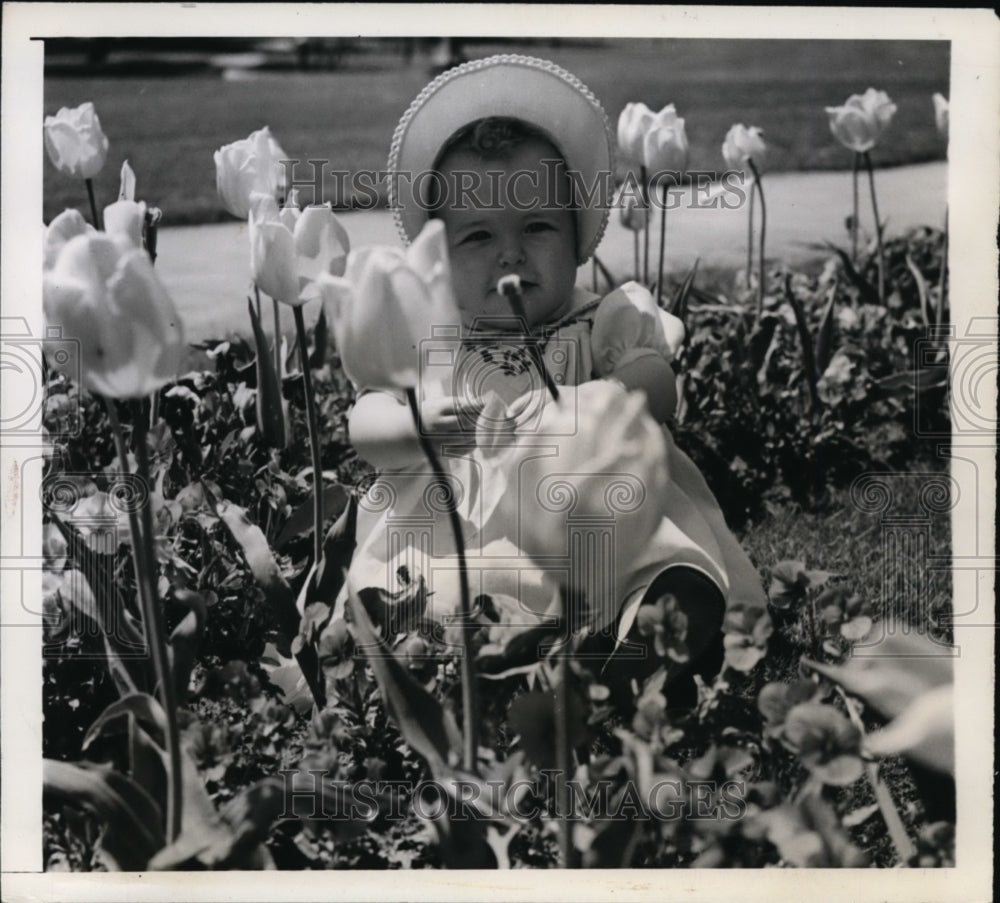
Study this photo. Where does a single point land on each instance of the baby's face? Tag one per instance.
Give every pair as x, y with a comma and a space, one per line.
518, 222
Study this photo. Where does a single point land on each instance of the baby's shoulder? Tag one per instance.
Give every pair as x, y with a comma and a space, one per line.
628, 320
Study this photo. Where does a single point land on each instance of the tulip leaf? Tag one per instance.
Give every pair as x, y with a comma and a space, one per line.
185, 639
251, 540
132, 830
126, 191
808, 360
868, 292
426, 726
288, 675
533, 717
922, 290
270, 416
317, 357
300, 521
678, 306
824, 338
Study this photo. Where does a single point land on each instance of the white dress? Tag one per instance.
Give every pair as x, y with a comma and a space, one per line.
403, 522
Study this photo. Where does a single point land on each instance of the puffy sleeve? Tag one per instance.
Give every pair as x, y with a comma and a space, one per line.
628, 325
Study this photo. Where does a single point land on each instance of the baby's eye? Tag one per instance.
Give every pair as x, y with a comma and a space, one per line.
540, 226
473, 237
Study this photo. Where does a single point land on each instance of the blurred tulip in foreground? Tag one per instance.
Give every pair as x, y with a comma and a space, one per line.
104, 293
386, 304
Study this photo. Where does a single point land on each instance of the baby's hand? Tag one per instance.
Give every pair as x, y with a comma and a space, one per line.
448, 416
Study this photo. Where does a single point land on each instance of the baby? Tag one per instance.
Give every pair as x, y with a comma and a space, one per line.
515, 146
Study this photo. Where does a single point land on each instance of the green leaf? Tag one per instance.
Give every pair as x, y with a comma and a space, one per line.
141, 706
533, 717
185, 639
679, 305
824, 338
286, 674
317, 357
922, 290
335, 498
270, 417
428, 729
251, 540
131, 819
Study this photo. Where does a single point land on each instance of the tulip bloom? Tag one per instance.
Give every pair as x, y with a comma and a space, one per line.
941, 114
665, 144
859, 123
743, 144
68, 224
75, 143
386, 303
607, 433
633, 123
248, 166
126, 218
290, 248
744, 150
104, 293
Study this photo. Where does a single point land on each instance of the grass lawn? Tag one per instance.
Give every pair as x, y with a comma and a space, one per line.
169, 126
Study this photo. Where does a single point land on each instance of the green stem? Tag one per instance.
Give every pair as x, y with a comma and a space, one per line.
749, 271
645, 231
517, 303
663, 245
153, 617
95, 217
564, 755
470, 744
897, 830
854, 217
142, 587
277, 341
635, 248
763, 234
942, 280
878, 227
307, 385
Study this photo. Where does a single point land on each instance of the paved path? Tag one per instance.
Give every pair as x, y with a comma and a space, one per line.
206, 268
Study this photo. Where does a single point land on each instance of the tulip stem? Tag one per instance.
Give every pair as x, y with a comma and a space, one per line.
942, 279
635, 248
153, 618
645, 230
878, 228
763, 233
854, 216
513, 294
897, 830
277, 341
142, 587
317, 465
564, 754
470, 745
749, 270
93, 204
663, 245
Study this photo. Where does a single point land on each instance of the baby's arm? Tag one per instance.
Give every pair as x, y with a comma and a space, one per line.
654, 375
383, 433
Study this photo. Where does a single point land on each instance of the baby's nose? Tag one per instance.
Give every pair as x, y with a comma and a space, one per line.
511, 253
